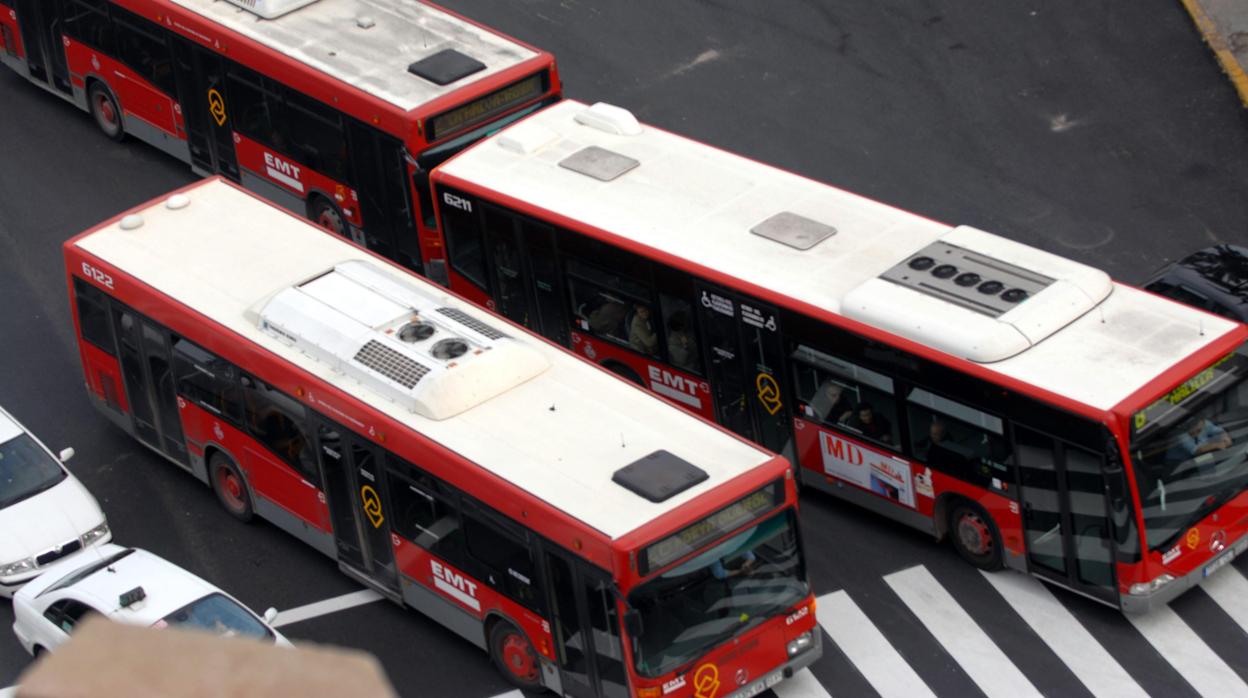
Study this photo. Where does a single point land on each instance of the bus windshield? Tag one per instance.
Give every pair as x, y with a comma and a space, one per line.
1190, 449
732, 586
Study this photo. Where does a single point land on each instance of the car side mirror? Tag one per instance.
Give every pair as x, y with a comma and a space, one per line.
270, 616
66, 454
632, 623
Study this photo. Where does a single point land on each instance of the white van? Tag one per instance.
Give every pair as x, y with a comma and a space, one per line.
45, 513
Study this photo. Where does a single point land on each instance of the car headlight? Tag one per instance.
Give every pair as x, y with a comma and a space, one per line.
17, 567
801, 643
95, 534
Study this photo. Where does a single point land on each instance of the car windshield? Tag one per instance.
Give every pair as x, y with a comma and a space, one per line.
1190, 449
220, 615
733, 585
26, 470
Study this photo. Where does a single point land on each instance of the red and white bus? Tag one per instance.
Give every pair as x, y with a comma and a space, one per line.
335, 109
449, 460
970, 386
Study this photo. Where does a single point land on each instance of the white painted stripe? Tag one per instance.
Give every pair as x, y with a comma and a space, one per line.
802, 685
322, 608
511, 694
866, 647
1229, 589
285, 179
978, 655
457, 594
1065, 635
677, 395
1188, 654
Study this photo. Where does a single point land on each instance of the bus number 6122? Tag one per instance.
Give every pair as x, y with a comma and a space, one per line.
99, 276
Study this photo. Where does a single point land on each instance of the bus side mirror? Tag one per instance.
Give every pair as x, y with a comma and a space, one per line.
632, 623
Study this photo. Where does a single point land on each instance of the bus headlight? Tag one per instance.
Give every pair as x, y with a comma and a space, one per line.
801, 643
18, 567
95, 534
1141, 588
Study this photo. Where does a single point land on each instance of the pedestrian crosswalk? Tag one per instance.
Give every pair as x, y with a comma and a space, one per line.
916, 635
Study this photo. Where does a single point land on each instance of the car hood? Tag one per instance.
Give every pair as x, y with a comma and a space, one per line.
46, 520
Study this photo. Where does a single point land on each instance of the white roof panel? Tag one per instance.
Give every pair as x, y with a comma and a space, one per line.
370, 43
559, 435
699, 203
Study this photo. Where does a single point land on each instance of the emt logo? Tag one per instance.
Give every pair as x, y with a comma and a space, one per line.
455, 585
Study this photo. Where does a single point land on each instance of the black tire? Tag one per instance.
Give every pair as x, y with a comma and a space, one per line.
624, 372
230, 487
514, 657
105, 111
975, 536
324, 213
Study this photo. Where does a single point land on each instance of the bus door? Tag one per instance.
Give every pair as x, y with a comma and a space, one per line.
147, 370
352, 472
1065, 514
524, 273
379, 173
40, 25
586, 629
744, 356
201, 94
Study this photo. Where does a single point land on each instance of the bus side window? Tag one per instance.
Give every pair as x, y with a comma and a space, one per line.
681, 334
845, 396
505, 557
316, 137
613, 306
255, 109
87, 21
958, 439
465, 248
278, 422
207, 380
93, 317
143, 46
423, 511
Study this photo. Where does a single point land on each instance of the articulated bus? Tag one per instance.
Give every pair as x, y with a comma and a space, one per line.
595, 540
1038, 414
335, 109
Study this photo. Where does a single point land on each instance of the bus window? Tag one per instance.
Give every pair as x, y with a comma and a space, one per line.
613, 307
463, 240
87, 21
278, 421
423, 511
93, 317
207, 380
958, 440
143, 48
682, 340
845, 396
506, 558
256, 107
316, 138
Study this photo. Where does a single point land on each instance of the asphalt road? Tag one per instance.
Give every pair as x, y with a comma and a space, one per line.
1099, 131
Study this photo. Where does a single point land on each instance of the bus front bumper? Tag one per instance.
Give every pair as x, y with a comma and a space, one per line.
784, 671
1146, 601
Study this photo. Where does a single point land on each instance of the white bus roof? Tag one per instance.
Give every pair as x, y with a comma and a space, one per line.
369, 44
551, 424
1074, 332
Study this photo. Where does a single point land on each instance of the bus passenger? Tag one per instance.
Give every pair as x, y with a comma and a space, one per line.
830, 403
1202, 437
681, 346
871, 425
641, 335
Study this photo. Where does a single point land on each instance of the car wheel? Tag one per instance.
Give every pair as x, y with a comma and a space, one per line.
230, 487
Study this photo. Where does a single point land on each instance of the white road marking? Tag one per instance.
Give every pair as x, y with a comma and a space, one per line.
866, 647
1188, 654
1065, 635
511, 694
1229, 589
958, 633
323, 608
802, 685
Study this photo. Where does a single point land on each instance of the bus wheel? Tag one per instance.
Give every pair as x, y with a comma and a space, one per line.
975, 536
327, 215
624, 372
514, 656
230, 487
105, 110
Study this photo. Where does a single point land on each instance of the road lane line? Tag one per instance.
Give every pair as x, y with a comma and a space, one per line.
868, 650
1229, 589
802, 685
322, 608
1065, 635
1178, 644
958, 633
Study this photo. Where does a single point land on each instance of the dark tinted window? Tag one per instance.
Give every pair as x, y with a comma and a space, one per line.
613, 306
256, 107
67, 613
93, 316
845, 396
423, 510
504, 557
207, 380
278, 421
463, 237
142, 46
958, 439
87, 21
315, 137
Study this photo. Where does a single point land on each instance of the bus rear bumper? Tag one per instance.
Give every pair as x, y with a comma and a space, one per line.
1147, 601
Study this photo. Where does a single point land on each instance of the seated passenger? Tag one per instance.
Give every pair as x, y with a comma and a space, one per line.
606, 317
641, 335
871, 425
1203, 436
830, 403
681, 346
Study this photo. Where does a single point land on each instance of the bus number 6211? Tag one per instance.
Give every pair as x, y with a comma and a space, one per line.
99, 276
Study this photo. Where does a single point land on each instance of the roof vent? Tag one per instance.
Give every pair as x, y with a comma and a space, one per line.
659, 476
271, 9
365, 323
610, 119
978, 295
798, 232
445, 67
599, 163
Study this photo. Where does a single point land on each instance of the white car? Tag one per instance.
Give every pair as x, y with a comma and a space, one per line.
129, 585
45, 513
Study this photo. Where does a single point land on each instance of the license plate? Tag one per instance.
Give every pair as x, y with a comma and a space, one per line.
1224, 560
760, 685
